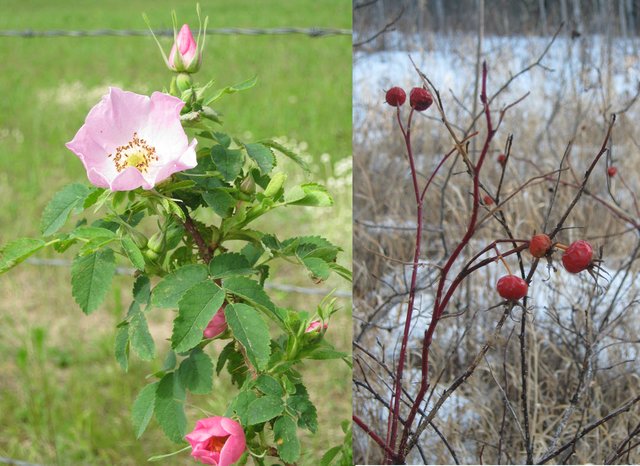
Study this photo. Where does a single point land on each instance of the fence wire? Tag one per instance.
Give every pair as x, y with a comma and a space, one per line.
311, 32
268, 285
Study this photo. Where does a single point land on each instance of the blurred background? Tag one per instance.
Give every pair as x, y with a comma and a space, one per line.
63, 399
571, 78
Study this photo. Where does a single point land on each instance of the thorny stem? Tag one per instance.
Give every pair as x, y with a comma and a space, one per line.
206, 251
393, 431
440, 303
376, 438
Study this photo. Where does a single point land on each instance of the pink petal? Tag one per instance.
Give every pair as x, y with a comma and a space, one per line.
212, 425
217, 325
205, 456
186, 44
97, 179
232, 450
187, 160
231, 427
129, 179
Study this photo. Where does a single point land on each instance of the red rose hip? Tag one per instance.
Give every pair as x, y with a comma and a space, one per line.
502, 159
539, 245
578, 256
611, 171
488, 200
512, 288
395, 96
420, 99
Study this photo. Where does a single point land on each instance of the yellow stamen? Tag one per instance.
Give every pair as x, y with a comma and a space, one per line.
136, 153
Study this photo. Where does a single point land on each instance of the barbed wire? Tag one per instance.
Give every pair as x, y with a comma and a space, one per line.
311, 32
128, 271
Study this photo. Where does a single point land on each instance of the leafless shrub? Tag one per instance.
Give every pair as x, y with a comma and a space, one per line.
557, 379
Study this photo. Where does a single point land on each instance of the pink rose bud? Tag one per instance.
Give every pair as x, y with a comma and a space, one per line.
217, 440
130, 140
217, 325
316, 326
184, 55
395, 96
420, 99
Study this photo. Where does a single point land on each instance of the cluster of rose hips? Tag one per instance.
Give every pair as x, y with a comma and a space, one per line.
577, 257
420, 99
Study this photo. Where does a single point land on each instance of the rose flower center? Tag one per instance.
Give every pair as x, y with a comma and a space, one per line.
216, 443
136, 153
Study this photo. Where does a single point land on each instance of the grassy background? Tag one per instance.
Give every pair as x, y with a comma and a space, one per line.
62, 397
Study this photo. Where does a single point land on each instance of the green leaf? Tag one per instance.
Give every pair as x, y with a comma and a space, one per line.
340, 270
251, 291
229, 264
89, 233
284, 430
264, 409
223, 138
143, 407
142, 290
133, 252
141, 340
262, 155
240, 405
269, 386
228, 161
309, 194
196, 372
122, 347
64, 201
220, 201
169, 410
91, 277
170, 290
95, 244
252, 253
250, 329
328, 457
224, 355
288, 152
324, 351
317, 267
169, 361
94, 197
307, 414
17, 251
244, 85
195, 310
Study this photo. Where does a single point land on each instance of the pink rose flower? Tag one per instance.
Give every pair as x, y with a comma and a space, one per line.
130, 140
217, 440
184, 54
316, 326
217, 325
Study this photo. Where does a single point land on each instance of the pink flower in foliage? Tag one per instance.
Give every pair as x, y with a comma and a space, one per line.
316, 326
217, 325
217, 440
130, 140
184, 54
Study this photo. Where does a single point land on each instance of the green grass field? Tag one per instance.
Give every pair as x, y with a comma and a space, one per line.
63, 399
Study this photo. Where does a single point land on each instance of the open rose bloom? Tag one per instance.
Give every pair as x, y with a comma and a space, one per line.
217, 440
130, 140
